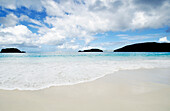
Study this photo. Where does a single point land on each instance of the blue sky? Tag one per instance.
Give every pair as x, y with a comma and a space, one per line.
70, 25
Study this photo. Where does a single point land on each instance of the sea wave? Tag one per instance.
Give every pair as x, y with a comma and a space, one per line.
34, 73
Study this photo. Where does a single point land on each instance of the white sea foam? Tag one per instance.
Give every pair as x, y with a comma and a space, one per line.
34, 73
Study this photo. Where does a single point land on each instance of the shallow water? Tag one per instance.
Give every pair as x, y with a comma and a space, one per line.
32, 71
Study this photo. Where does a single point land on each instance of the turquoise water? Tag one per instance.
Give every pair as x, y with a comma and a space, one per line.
32, 71
115, 55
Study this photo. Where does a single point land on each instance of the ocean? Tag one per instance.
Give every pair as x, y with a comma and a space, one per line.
34, 71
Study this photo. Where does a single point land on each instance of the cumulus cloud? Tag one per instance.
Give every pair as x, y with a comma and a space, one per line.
14, 4
53, 8
17, 35
12, 20
100, 15
149, 3
163, 39
82, 19
9, 20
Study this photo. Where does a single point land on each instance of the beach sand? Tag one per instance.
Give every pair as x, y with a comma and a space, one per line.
135, 90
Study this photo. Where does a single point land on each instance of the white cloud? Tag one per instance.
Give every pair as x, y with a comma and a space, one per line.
10, 4
17, 35
52, 38
9, 20
33, 26
12, 20
163, 39
26, 18
20, 35
53, 8
122, 35
101, 15
14, 4
69, 46
82, 20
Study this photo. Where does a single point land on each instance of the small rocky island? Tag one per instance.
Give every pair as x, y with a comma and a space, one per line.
11, 50
91, 50
145, 47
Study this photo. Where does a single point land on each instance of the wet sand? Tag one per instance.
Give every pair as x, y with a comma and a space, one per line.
135, 90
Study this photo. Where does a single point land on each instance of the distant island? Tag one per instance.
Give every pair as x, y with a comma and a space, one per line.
91, 50
145, 47
11, 50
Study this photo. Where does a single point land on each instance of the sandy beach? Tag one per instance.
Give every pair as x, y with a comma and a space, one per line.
84, 55
133, 90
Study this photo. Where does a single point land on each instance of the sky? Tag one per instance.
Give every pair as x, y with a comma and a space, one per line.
72, 25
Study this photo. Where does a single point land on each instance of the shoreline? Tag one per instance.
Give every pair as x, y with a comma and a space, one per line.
132, 90
83, 82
